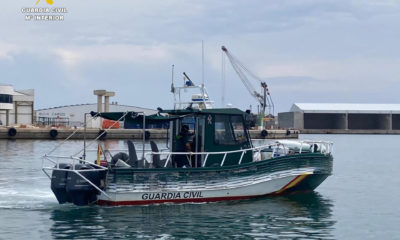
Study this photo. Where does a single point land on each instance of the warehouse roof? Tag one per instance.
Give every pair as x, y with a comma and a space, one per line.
345, 108
95, 104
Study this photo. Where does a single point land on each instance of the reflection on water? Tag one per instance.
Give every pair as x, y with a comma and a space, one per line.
305, 215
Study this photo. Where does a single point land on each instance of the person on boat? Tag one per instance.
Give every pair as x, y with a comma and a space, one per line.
182, 144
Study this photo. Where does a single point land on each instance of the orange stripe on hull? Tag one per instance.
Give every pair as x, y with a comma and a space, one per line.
293, 183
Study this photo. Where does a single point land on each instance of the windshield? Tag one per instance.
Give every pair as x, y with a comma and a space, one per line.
229, 130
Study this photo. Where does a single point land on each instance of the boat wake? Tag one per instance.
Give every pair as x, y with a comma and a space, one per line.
26, 198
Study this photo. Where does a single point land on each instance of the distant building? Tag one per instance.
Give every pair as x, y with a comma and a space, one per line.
73, 115
343, 116
16, 107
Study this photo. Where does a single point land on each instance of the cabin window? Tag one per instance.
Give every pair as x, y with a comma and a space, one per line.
223, 131
190, 122
238, 129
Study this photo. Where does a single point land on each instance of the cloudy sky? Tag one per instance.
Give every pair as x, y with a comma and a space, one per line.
306, 50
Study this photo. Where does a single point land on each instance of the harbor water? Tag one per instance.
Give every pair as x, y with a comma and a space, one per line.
359, 201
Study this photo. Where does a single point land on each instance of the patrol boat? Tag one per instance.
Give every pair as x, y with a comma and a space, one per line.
220, 162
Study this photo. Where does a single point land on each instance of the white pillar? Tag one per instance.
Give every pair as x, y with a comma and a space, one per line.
99, 103
106, 103
7, 117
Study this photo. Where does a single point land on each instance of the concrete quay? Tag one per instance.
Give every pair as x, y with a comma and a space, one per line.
349, 131
275, 134
44, 133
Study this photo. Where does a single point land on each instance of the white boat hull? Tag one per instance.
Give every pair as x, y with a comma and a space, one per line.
242, 188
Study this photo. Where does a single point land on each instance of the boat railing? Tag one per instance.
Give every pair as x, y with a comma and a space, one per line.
277, 149
126, 150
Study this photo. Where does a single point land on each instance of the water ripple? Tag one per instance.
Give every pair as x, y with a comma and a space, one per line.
275, 218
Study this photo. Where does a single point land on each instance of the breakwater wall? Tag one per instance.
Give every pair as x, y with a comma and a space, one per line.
43, 133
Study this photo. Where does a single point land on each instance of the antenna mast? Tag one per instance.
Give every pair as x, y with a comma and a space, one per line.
223, 79
172, 83
202, 61
202, 71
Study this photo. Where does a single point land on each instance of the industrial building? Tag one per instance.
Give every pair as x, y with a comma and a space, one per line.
342, 118
73, 115
16, 107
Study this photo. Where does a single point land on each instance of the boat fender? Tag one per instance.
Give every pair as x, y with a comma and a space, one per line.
102, 134
264, 133
53, 133
12, 132
147, 135
287, 132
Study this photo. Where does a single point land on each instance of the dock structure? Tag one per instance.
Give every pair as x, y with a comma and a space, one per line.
343, 118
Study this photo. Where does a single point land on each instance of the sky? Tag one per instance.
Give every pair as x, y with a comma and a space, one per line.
331, 51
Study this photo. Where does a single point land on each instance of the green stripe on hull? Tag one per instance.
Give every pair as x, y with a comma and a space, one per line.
147, 179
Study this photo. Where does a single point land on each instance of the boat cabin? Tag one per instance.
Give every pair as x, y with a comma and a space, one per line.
202, 135
212, 130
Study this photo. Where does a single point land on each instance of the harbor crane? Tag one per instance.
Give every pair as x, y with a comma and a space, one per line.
265, 99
